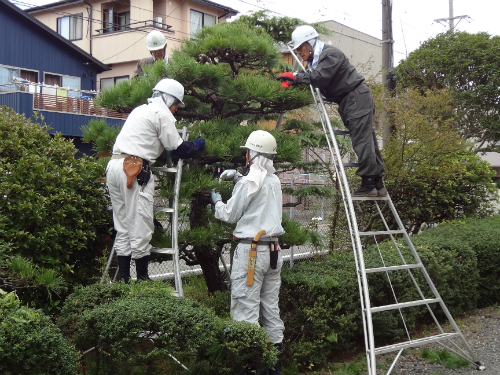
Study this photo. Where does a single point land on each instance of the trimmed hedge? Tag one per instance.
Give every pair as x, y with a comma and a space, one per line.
30, 343
320, 305
137, 326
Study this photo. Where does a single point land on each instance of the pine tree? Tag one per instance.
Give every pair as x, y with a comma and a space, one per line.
228, 72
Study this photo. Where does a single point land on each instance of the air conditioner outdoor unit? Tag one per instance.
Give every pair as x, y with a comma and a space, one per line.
158, 22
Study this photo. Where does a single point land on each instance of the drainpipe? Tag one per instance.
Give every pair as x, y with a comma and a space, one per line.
90, 25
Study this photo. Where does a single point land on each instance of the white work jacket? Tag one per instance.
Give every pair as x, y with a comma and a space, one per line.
147, 131
262, 211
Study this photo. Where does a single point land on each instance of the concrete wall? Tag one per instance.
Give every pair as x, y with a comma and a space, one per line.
363, 50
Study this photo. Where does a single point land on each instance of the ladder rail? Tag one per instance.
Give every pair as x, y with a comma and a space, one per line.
351, 213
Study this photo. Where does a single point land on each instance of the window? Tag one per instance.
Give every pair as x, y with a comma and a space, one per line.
70, 27
107, 83
112, 21
62, 82
7, 73
199, 20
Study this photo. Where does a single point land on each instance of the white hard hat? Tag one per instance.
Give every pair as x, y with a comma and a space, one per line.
261, 141
155, 40
302, 34
172, 87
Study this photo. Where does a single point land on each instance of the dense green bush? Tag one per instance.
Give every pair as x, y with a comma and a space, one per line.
483, 238
30, 343
53, 208
136, 327
320, 303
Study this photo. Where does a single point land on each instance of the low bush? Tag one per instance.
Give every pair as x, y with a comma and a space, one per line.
136, 327
30, 343
320, 304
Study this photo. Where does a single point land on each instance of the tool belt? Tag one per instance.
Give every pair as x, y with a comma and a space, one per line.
134, 166
273, 248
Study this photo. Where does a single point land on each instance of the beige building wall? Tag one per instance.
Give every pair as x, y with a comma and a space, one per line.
122, 49
364, 51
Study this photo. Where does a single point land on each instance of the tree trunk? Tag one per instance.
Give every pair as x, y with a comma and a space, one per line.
207, 256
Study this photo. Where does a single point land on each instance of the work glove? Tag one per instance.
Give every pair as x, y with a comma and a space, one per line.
286, 78
200, 142
230, 175
216, 197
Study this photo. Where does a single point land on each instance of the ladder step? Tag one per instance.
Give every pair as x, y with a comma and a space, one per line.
163, 209
339, 132
393, 268
404, 304
350, 165
376, 233
164, 169
418, 342
370, 198
159, 250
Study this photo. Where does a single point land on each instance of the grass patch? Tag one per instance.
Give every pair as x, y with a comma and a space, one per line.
443, 357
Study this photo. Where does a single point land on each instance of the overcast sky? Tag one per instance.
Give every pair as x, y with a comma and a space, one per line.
413, 20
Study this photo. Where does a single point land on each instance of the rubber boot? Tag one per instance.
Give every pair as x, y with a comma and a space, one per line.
141, 267
379, 185
367, 188
276, 369
124, 268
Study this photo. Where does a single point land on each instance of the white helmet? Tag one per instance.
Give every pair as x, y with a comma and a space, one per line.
261, 141
172, 87
302, 34
155, 40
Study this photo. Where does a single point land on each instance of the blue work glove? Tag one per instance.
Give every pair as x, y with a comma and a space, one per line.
230, 175
216, 197
200, 142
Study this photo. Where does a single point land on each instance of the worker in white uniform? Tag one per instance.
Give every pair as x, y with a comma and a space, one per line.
149, 129
256, 204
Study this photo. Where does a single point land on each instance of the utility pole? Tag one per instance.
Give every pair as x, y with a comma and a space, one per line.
451, 19
388, 77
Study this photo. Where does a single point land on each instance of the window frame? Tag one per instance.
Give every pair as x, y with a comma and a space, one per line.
75, 16
64, 75
19, 69
114, 80
203, 14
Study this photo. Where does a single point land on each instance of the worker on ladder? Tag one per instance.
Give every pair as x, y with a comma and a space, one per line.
157, 46
149, 129
256, 205
338, 81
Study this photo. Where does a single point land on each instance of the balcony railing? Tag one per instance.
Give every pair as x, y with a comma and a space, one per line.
115, 28
60, 99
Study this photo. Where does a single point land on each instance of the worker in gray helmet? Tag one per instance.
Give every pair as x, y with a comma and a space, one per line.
149, 129
157, 46
255, 205
330, 71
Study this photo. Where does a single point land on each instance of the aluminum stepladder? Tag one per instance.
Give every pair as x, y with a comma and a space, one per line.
451, 340
173, 210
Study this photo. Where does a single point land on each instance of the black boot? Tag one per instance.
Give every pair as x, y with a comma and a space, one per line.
379, 185
124, 268
141, 267
276, 370
367, 188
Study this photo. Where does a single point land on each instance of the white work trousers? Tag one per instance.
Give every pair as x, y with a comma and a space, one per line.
260, 300
132, 212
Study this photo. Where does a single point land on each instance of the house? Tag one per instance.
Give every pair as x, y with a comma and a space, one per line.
114, 32
41, 70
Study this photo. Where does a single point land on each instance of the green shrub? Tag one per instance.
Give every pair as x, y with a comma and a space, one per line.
137, 326
483, 237
30, 343
54, 209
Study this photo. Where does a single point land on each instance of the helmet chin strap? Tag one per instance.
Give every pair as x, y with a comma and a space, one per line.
311, 52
